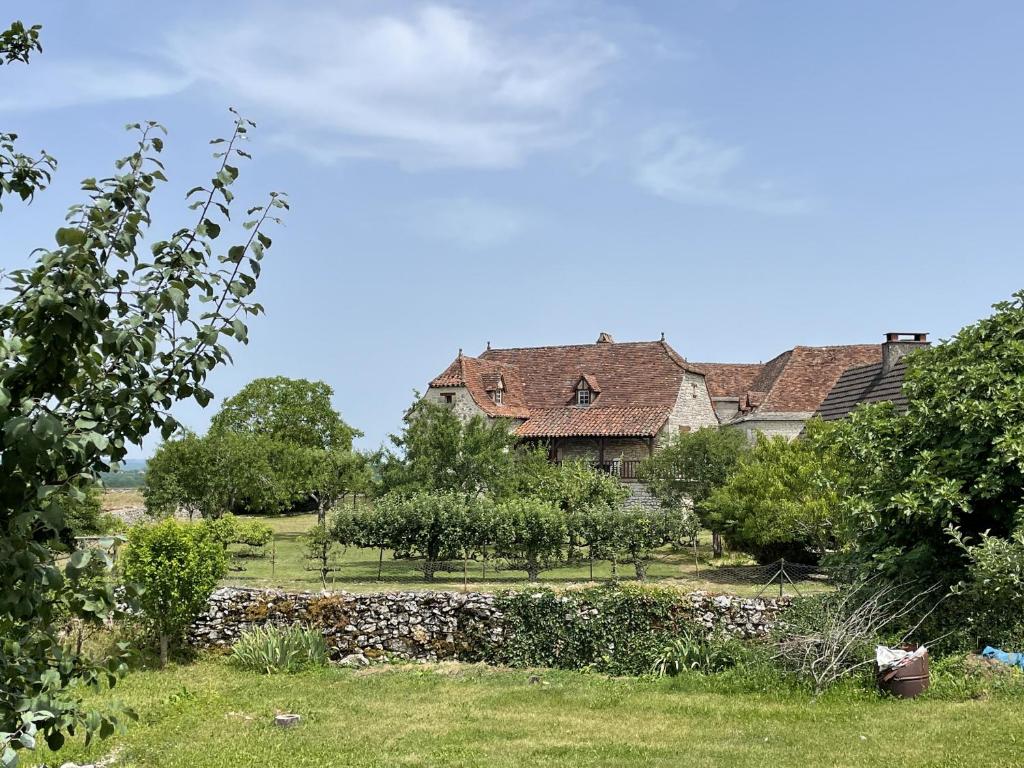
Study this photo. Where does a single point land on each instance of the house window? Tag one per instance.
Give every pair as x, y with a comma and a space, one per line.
583, 396
497, 396
448, 398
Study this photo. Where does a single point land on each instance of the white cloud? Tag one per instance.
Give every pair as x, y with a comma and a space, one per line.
426, 86
50, 83
470, 223
677, 164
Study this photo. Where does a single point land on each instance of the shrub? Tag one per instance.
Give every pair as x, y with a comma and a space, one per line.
615, 629
271, 649
177, 565
86, 517
697, 651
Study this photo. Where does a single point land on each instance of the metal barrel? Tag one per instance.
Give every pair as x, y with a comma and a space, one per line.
906, 681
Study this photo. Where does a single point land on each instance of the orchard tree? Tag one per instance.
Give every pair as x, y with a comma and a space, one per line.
637, 531
294, 411
683, 474
97, 343
531, 533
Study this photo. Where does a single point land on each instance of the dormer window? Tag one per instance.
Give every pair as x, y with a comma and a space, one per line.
497, 391
586, 391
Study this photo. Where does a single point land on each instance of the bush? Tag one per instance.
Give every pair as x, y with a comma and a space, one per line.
614, 629
697, 651
177, 565
270, 649
253, 533
85, 517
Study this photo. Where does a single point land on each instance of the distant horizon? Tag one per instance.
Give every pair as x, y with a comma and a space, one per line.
744, 177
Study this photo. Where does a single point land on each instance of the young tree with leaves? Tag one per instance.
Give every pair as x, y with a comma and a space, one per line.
177, 565
438, 451
685, 472
97, 342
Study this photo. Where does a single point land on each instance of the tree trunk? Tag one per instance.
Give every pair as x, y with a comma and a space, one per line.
532, 568
641, 568
380, 564
163, 649
716, 544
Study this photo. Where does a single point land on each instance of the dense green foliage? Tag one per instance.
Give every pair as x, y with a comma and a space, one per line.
694, 650
276, 445
531, 534
438, 451
785, 498
294, 411
939, 490
85, 516
271, 650
97, 342
626, 635
692, 465
177, 566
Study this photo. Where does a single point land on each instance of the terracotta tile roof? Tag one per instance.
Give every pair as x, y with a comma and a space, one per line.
730, 379
635, 386
810, 373
642, 373
795, 381
594, 421
865, 384
480, 377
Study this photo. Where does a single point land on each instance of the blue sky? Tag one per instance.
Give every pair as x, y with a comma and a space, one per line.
744, 176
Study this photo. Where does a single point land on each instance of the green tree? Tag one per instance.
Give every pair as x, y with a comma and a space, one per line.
325, 476
785, 498
97, 342
948, 474
687, 470
432, 527
177, 565
293, 411
438, 451
637, 531
531, 533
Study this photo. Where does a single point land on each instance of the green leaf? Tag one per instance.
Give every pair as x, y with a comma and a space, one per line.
70, 236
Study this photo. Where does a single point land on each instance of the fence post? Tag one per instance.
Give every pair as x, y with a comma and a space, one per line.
782, 573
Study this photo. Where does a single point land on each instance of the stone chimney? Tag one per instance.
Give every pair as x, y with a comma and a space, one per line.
605, 338
899, 344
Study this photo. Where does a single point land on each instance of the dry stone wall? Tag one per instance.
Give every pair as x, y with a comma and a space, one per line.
423, 625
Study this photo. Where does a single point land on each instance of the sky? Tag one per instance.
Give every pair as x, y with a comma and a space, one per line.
742, 176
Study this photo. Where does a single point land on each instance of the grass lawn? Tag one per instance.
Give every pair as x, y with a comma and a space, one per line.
284, 566
209, 714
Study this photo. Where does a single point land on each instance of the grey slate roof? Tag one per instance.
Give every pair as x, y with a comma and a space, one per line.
864, 384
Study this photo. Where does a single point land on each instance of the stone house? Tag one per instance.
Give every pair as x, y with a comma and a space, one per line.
609, 403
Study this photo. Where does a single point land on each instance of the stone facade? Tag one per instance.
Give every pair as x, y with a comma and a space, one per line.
693, 409
427, 626
787, 425
462, 402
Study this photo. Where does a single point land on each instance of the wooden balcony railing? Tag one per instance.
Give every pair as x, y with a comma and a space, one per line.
624, 469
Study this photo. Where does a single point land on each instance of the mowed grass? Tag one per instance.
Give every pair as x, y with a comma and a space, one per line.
284, 565
210, 714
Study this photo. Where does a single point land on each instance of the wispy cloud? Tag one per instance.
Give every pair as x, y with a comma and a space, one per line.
51, 83
678, 164
469, 223
426, 86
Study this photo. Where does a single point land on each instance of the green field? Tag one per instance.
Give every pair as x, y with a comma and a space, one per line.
283, 565
209, 714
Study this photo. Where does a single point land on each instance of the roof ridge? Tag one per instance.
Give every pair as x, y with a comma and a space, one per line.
610, 345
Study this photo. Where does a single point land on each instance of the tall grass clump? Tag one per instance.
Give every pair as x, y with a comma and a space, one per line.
269, 650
